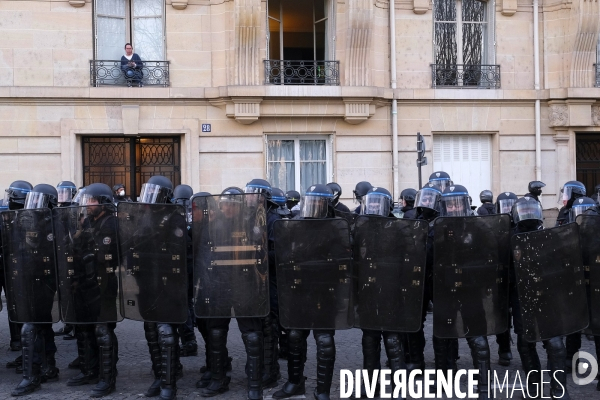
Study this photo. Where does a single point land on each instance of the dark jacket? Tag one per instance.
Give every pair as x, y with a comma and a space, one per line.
486, 209
409, 212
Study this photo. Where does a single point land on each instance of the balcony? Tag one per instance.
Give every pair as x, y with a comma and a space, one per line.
597, 75
298, 72
111, 73
465, 76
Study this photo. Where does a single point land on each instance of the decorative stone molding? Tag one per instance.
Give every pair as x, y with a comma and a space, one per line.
358, 43
179, 4
596, 115
358, 110
581, 39
559, 114
421, 6
245, 110
77, 3
509, 7
247, 42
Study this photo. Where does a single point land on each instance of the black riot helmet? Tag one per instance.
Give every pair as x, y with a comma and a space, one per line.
571, 191
361, 189
256, 186
158, 190
16, 194
408, 195
96, 193
41, 196
527, 212
505, 202
231, 195
378, 201
440, 178
66, 191
580, 205
455, 202
278, 197
535, 187
486, 196
182, 194
292, 199
337, 192
316, 202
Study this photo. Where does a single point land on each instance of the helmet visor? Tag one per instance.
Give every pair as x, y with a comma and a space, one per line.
442, 182
65, 194
525, 210
154, 194
37, 200
87, 200
79, 196
505, 205
376, 204
314, 206
567, 191
578, 210
455, 206
427, 198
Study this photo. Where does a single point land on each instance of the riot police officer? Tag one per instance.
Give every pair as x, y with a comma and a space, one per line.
37, 340
571, 191
528, 217
505, 202
487, 203
440, 178
120, 193
278, 197
292, 200
360, 191
66, 192
534, 188
337, 193
594, 196
317, 203
189, 347
407, 202
378, 202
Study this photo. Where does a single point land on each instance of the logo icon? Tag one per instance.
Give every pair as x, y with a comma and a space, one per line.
437, 174
580, 201
507, 193
585, 372
452, 188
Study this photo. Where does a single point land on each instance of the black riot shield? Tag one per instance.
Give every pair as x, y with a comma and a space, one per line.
348, 216
230, 256
314, 273
389, 265
470, 275
30, 266
589, 226
87, 261
152, 242
550, 282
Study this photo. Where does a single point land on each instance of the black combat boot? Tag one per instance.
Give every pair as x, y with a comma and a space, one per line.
219, 382
295, 384
531, 362
151, 332
87, 350
108, 361
31, 372
414, 352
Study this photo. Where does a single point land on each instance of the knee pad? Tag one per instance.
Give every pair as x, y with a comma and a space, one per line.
217, 337
555, 347
295, 336
392, 341
370, 340
103, 335
325, 344
168, 335
28, 333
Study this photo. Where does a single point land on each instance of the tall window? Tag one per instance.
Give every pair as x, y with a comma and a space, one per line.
461, 32
140, 22
296, 164
300, 30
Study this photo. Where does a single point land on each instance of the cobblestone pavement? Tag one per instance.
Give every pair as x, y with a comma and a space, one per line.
135, 375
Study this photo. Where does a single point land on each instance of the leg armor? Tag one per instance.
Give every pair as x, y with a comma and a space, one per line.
106, 384
254, 354
480, 351
395, 353
151, 332
444, 354
296, 360
271, 359
504, 352
31, 371
169, 342
531, 362
414, 351
325, 363
15, 336
217, 343
88, 356
557, 354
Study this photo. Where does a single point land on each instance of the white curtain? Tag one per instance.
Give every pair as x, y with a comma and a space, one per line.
282, 172
313, 163
111, 28
148, 34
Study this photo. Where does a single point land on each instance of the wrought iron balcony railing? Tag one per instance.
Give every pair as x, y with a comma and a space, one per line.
113, 73
298, 72
466, 76
597, 75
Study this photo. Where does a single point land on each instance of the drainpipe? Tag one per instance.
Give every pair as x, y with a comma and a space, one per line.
536, 83
394, 101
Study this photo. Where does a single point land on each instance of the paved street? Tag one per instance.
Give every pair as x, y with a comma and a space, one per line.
135, 376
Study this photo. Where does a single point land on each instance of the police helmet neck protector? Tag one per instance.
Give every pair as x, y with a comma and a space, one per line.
316, 202
455, 202
41, 196
378, 201
158, 190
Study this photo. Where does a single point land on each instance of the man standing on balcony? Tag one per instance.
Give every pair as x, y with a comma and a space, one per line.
131, 65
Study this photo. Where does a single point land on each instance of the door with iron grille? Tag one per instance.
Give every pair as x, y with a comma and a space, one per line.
130, 161
588, 160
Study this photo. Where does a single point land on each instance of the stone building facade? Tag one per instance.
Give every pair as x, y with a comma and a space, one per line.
465, 78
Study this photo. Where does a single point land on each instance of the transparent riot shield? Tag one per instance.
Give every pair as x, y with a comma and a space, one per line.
152, 242
470, 276
550, 282
389, 265
589, 227
87, 261
30, 266
314, 273
230, 256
